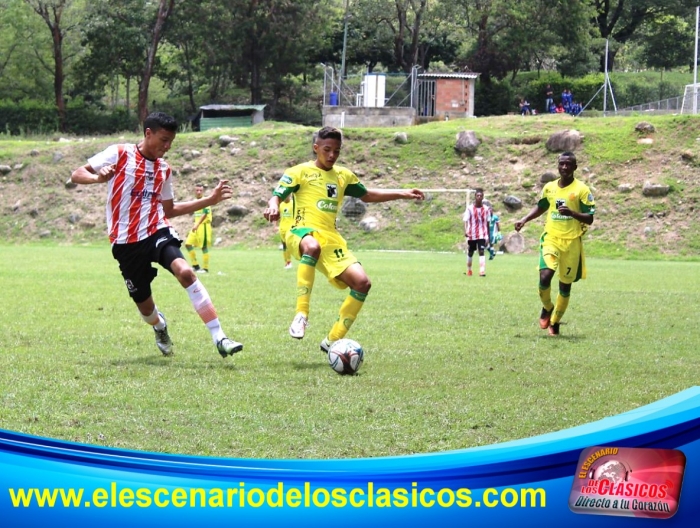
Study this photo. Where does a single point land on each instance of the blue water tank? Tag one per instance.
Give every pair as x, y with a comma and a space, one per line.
333, 101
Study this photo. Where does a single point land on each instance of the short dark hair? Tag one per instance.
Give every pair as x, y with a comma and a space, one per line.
157, 120
569, 155
328, 132
478, 190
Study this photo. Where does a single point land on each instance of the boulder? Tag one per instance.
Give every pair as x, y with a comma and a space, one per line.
467, 143
225, 141
401, 138
548, 177
625, 187
5, 169
512, 203
513, 243
353, 207
369, 224
237, 210
644, 127
655, 189
564, 140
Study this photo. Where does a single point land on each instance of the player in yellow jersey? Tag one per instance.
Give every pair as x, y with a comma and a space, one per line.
200, 235
286, 222
569, 205
319, 188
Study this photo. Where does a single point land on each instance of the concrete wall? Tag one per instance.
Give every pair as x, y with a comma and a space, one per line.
361, 117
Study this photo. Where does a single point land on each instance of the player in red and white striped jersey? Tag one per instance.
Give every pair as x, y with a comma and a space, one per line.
476, 229
139, 203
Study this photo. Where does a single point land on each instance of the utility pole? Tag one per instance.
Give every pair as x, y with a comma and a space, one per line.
345, 44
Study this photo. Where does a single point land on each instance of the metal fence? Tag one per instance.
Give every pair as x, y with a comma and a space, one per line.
351, 91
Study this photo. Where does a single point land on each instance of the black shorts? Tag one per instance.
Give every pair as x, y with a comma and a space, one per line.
135, 260
476, 245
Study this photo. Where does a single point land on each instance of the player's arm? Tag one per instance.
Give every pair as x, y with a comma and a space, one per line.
535, 212
86, 175
272, 211
221, 192
585, 218
378, 195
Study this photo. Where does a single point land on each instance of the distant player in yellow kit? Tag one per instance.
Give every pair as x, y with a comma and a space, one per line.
569, 205
200, 235
286, 222
319, 187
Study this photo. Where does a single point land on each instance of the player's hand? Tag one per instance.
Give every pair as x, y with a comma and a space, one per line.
222, 191
416, 194
564, 211
519, 225
271, 213
105, 174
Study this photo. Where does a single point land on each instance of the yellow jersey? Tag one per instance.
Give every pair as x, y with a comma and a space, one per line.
577, 197
318, 193
286, 215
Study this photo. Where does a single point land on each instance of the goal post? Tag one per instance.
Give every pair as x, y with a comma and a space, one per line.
691, 99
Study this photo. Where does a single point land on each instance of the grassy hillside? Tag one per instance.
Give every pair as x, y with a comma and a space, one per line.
37, 206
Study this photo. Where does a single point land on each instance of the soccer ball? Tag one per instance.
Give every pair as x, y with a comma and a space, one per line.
345, 356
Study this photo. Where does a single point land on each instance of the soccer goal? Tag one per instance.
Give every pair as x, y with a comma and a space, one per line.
691, 99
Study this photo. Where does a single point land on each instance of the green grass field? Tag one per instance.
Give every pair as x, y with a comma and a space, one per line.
451, 362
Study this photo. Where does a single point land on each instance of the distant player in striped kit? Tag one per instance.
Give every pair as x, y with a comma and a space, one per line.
139, 202
476, 228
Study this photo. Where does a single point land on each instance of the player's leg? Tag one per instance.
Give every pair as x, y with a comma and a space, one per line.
549, 261
206, 242
569, 271
303, 244
471, 247
205, 259
136, 269
190, 245
171, 258
481, 244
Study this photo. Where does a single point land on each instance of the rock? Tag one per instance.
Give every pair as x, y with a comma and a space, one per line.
57, 156
353, 207
655, 189
218, 241
401, 138
73, 218
369, 224
646, 141
548, 177
648, 231
45, 234
237, 210
34, 212
195, 153
467, 143
235, 151
34, 153
565, 140
688, 156
217, 221
5, 169
18, 166
644, 127
69, 184
625, 187
512, 203
513, 243
87, 224
188, 169
17, 205
225, 141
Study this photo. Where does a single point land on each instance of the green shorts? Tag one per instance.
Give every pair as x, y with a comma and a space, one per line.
335, 256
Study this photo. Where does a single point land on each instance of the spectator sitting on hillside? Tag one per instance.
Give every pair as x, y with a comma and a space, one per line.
524, 107
576, 109
560, 109
552, 108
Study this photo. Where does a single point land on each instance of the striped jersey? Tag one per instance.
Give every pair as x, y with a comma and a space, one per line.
134, 210
476, 220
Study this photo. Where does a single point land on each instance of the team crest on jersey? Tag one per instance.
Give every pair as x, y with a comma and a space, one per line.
332, 190
150, 175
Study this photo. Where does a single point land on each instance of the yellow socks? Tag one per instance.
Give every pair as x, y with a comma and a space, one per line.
348, 313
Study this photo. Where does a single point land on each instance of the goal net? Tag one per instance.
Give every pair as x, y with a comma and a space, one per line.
691, 99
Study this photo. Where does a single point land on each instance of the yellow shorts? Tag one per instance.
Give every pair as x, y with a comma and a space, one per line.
201, 238
564, 255
335, 256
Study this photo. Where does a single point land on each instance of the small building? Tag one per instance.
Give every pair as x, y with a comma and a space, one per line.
446, 95
227, 116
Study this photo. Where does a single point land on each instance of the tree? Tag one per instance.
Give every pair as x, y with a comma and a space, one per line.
52, 13
667, 42
620, 20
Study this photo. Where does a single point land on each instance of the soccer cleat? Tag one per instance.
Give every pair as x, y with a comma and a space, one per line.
469, 273
228, 347
492, 253
298, 327
196, 267
202, 270
326, 345
288, 265
544, 317
553, 329
163, 342
482, 274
